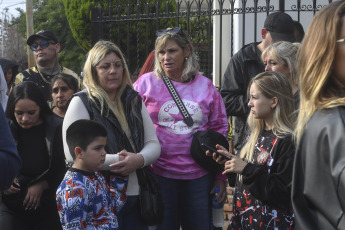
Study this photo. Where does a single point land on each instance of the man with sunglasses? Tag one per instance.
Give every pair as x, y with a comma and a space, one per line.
45, 47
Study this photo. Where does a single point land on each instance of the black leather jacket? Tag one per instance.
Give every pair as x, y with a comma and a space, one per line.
243, 66
318, 186
117, 139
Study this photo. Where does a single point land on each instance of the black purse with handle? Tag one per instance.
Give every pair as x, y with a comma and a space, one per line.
150, 197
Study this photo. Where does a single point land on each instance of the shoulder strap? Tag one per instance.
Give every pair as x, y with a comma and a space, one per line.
28, 72
186, 116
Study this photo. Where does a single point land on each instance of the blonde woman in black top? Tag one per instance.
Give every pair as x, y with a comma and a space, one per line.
264, 164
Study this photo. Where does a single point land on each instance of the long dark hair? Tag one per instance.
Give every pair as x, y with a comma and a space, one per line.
27, 90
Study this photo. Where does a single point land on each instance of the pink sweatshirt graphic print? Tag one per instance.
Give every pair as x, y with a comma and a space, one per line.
204, 104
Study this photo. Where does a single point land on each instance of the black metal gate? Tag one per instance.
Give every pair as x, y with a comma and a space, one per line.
132, 25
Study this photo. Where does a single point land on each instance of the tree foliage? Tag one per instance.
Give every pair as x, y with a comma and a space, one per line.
50, 15
78, 14
134, 37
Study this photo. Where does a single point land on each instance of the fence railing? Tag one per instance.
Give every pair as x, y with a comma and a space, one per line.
217, 28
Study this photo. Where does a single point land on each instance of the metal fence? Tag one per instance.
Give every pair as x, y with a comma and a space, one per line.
218, 28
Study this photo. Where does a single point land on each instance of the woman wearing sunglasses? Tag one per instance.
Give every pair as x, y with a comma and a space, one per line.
318, 185
185, 185
132, 143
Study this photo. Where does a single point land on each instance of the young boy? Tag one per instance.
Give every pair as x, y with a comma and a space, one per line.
83, 198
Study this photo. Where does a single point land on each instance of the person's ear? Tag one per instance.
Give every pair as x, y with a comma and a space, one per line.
274, 102
78, 152
264, 32
57, 47
187, 51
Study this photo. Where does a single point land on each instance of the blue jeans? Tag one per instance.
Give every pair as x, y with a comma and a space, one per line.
129, 216
186, 203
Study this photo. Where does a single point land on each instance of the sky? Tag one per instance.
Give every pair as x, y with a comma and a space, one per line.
12, 5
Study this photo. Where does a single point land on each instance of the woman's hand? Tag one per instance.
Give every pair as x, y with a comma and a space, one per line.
218, 159
34, 194
235, 165
13, 189
221, 197
129, 162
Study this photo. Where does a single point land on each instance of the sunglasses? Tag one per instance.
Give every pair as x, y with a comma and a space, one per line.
42, 44
172, 31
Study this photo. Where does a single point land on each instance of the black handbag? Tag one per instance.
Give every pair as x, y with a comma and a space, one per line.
198, 152
150, 197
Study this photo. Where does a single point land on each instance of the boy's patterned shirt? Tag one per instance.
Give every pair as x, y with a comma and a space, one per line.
84, 202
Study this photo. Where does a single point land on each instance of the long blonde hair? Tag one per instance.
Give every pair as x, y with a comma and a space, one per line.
191, 64
271, 84
316, 60
98, 52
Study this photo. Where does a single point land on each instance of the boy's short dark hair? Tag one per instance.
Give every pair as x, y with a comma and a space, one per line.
82, 132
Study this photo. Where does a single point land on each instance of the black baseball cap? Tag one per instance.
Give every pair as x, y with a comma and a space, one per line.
45, 34
281, 27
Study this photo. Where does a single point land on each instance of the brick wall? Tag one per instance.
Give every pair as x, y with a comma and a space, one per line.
228, 207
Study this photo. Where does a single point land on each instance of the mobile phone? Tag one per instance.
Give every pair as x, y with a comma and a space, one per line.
214, 150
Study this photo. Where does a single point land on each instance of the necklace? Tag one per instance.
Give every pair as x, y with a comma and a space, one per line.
43, 78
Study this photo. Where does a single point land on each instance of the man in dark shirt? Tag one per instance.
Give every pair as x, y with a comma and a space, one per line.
245, 65
45, 47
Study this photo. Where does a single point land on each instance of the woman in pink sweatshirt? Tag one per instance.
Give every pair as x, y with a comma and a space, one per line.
186, 186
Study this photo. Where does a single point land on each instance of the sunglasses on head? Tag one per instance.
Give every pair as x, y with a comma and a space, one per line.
172, 31
42, 44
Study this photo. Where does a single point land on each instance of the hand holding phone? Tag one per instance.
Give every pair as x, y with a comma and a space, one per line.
214, 150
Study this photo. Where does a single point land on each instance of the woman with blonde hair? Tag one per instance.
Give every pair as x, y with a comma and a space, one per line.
264, 164
132, 143
282, 57
319, 175
186, 186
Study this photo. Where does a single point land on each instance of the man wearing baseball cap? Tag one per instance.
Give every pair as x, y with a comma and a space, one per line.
45, 47
245, 65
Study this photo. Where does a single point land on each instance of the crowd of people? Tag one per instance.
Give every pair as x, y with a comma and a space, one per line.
73, 151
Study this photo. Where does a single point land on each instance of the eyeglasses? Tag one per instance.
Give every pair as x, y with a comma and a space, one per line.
42, 44
106, 66
341, 40
172, 31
